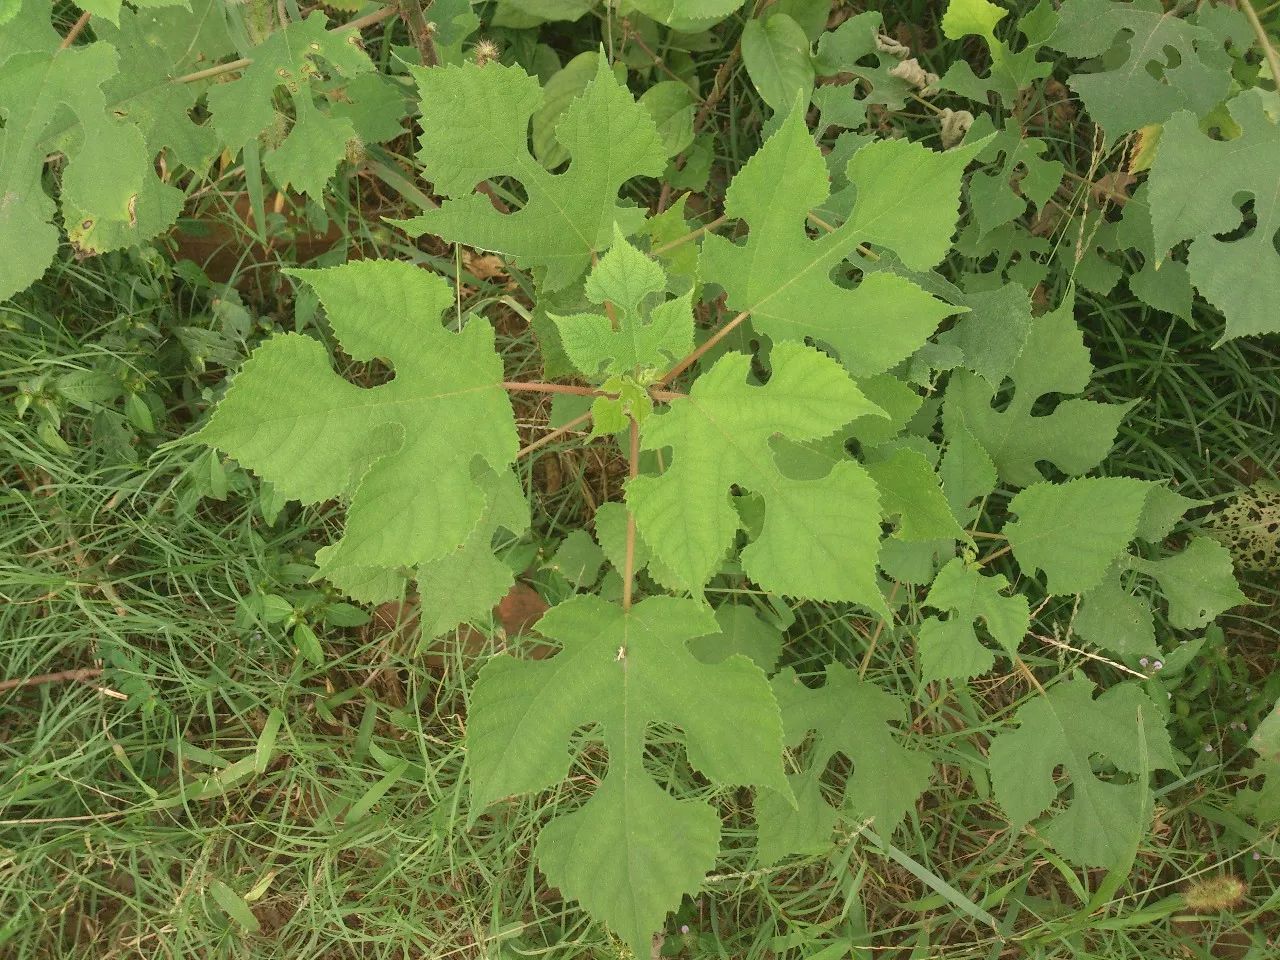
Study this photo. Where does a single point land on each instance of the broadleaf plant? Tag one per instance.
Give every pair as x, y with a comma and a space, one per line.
832, 376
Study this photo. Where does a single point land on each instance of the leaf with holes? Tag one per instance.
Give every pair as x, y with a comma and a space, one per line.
1075, 436
476, 126
1161, 64
907, 203
1010, 72
246, 108
1067, 727
950, 648
1240, 275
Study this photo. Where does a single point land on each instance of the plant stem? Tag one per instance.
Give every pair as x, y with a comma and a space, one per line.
359, 23
1027, 674
691, 235
1268, 49
719, 86
629, 564
86, 674
666, 396
994, 556
693, 358
629, 34
875, 637
554, 435
414, 14
75, 30
551, 388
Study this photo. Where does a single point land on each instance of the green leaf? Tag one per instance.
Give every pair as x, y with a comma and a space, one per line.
909, 489
560, 91
1240, 276
1067, 727
967, 473
671, 104
819, 537
375, 105
1010, 72
965, 17
468, 583
308, 644
401, 452
1115, 618
110, 9
742, 632
950, 649
1074, 531
859, 721
631, 851
578, 559
1075, 437
231, 902
1160, 283
1011, 158
1138, 87
244, 108
345, 615
1262, 803
687, 15
847, 50
994, 333
478, 118
907, 202
111, 195
1198, 582
775, 51
1161, 513
649, 335
156, 46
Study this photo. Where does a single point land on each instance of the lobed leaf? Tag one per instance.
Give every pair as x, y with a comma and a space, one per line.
907, 203
1067, 727
475, 122
632, 850
819, 536
402, 452
849, 717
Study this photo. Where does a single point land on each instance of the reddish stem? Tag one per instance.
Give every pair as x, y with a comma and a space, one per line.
534, 387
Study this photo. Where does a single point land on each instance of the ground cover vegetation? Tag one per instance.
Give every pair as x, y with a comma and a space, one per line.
673, 478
